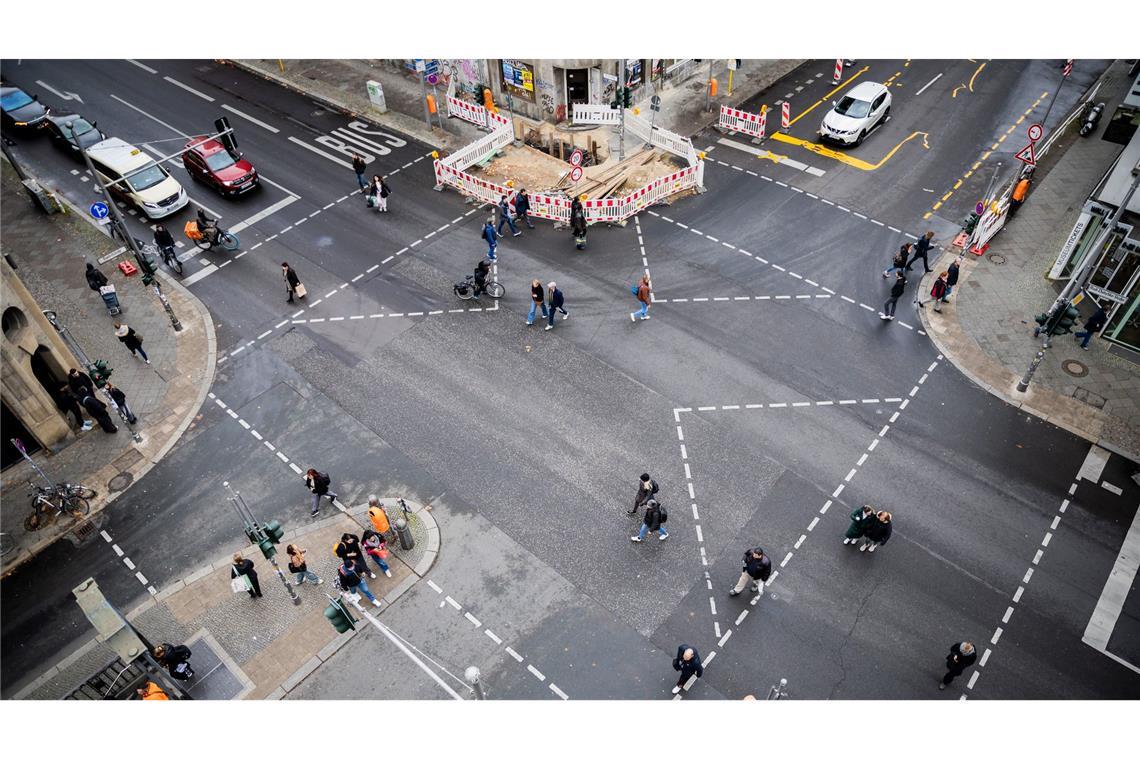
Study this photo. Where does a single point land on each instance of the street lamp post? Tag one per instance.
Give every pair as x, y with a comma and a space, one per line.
621, 107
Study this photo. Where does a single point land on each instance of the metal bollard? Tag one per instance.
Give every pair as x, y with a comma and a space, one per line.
405, 534
1023, 385
472, 676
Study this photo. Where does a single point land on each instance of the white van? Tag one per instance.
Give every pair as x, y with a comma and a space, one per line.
134, 176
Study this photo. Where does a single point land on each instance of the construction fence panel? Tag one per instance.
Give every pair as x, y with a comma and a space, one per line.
486, 191
735, 120
553, 207
479, 149
471, 112
587, 113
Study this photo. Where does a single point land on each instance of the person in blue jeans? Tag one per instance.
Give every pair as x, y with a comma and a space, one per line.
353, 582
537, 301
655, 518
554, 303
1092, 326
643, 296
376, 548
491, 238
505, 217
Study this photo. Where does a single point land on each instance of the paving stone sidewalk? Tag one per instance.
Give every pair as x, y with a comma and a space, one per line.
268, 646
987, 328
51, 252
341, 84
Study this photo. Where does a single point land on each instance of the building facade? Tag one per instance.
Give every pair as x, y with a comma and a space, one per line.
33, 364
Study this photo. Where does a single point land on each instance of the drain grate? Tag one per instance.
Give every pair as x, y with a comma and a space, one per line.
120, 481
1074, 368
85, 531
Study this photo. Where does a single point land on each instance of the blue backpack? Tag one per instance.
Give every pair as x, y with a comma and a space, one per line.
634, 288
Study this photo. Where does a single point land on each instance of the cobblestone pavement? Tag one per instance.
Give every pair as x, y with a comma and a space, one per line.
51, 252
987, 328
269, 644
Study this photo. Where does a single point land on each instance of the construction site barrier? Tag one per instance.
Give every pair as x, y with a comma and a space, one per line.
735, 120
585, 113
461, 109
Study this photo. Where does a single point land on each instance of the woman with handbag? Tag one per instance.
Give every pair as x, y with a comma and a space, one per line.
131, 339
299, 567
376, 548
243, 569
292, 282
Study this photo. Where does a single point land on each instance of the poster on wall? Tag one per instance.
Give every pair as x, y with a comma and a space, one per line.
518, 79
632, 73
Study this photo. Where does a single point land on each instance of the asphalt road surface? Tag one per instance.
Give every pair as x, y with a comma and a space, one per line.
765, 396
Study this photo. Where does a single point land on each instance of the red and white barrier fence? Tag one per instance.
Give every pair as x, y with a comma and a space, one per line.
785, 115
838, 71
471, 112
735, 120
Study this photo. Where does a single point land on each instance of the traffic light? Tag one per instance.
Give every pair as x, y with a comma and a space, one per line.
1066, 317
274, 531
337, 614
251, 534
147, 267
627, 97
100, 373
267, 549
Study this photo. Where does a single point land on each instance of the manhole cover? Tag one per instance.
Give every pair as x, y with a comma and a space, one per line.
996, 258
120, 481
1074, 368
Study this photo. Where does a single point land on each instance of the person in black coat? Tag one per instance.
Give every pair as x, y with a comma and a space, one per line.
962, 656
80, 383
688, 663
131, 339
171, 656
757, 567
349, 550
292, 281
1092, 327
554, 302
522, 207
646, 489
243, 566
163, 238
67, 402
897, 288
655, 517
120, 400
878, 532
951, 278
98, 411
95, 278
922, 250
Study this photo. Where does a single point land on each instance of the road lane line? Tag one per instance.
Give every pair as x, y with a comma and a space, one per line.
200, 274
251, 119
558, 691
189, 89
492, 636
319, 152
923, 88
152, 118
536, 672
142, 66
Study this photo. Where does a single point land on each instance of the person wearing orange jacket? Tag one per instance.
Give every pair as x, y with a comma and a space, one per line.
1020, 190
152, 691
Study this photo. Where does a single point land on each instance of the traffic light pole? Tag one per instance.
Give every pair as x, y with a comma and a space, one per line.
121, 226
621, 107
1080, 278
257, 536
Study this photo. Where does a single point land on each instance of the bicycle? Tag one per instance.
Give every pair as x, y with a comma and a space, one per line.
211, 236
50, 502
169, 255
466, 289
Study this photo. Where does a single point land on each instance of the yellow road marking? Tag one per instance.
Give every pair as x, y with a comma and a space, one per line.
1011, 129
1002, 138
955, 93
838, 87
843, 158
907, 64
957, 185
1020, 119
976, 72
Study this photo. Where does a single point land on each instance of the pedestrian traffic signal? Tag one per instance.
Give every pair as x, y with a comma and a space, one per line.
627, 97
100, 373
147, 267
1067, 317
267, 549
251, 534
337, 614
274, 531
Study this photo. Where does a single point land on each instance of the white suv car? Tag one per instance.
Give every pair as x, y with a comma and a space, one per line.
861, 109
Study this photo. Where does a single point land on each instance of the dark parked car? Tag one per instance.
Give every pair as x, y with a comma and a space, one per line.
21, 110
72, 133
210, 162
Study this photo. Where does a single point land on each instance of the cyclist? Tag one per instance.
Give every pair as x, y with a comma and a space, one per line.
164, 241
481, 271
208, 227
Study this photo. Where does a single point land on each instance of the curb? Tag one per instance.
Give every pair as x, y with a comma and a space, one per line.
429, 138
148, 462
1036, 397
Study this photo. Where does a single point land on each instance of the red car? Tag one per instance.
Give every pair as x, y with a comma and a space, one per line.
208, 161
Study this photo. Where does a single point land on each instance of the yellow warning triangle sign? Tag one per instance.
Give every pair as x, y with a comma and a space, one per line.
1027, 154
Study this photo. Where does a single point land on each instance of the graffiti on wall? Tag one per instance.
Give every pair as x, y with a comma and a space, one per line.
464, 72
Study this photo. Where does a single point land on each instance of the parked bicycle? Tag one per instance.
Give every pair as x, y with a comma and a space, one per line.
49, 502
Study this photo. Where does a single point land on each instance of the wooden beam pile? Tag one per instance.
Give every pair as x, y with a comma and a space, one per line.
607, 180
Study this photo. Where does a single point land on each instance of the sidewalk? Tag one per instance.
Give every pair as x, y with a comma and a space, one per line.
987, 328
263, 648
50, 252
340, 84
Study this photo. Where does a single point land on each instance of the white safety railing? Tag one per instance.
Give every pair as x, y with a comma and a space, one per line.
586, 113
471, 112
735, 120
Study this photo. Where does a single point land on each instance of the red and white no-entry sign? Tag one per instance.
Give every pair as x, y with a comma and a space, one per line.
1035, 132
785, 114
576, 173
576, 157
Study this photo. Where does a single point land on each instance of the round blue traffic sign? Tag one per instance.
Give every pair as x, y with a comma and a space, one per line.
99, 210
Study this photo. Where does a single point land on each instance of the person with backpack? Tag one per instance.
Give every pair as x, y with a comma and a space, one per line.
377, 548
163, 239
353, 582
348, 549
755, 567
176, 660
522, 207
537, 301
898, 263
655, 518
897, 289
505, 218
488, 234
299, 567
95, 278
687, 663
642, 290
554, 302
646, 490
318, 483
